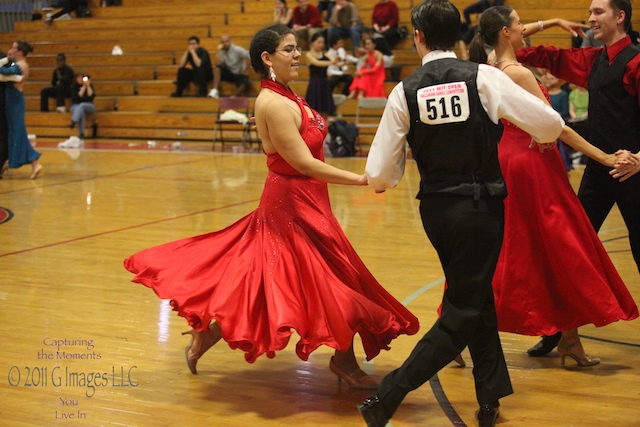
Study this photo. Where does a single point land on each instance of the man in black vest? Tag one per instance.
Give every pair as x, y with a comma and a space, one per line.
448, 111
612, 76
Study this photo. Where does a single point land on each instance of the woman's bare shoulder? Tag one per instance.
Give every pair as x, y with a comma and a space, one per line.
519, 73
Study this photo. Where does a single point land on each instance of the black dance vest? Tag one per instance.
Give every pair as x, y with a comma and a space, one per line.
452, 139
614, 115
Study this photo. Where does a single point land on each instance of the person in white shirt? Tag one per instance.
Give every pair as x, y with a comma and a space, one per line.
448, 111
339, 72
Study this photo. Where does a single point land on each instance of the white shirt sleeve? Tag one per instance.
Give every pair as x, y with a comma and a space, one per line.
502, 98
387, 155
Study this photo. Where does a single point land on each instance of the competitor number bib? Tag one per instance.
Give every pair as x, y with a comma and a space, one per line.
445, 103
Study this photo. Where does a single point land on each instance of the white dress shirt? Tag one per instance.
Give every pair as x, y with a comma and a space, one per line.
499, 96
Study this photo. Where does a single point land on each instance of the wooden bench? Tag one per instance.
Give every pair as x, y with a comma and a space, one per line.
84, 60
102, 88
104, 34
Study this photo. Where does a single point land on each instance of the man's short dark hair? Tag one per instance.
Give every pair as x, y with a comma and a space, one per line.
61, 56
625, 6
439, 21
196, 38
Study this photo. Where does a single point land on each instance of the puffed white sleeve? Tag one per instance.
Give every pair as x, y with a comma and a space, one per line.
387, 155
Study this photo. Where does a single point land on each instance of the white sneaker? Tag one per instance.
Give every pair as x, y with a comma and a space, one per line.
213, 93
61, 109
72, 142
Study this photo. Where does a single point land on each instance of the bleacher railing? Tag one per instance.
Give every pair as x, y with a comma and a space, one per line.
18, 10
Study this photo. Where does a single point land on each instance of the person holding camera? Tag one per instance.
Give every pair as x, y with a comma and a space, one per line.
82, 95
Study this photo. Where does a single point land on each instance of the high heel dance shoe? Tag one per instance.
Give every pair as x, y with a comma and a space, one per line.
36, 171
358, 379
460, 361
203, 340
571, 351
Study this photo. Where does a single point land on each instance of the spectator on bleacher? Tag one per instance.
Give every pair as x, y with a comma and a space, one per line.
20, 150
467, 31
369, 79
339, 72
82, 95
326, 6
282, 14
306, 22
560, 102
195, 66
80, 7
319, 96
384, 19
345, 23
231, 67
381, 45
579, 117
589, 40
60, 88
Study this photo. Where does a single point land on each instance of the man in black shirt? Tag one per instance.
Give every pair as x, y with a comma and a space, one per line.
60, 88
195, 66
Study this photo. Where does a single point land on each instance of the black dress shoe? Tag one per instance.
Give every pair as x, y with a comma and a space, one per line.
72, 124
372, 412
545, 346
487, 415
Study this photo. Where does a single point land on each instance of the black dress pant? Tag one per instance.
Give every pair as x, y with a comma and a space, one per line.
199, 76
467, 235
599, 191
346, 79
58, 92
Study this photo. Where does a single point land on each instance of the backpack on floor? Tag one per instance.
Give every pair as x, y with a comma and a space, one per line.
343, 138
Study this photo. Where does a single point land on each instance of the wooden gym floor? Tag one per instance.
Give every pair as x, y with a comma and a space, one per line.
83, 346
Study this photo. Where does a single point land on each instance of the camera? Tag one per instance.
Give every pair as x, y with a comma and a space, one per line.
85, 77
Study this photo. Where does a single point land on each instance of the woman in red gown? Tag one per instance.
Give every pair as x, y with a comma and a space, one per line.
553, 273
287, 265
369, 79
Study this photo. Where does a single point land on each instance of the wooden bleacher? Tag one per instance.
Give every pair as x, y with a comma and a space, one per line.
133, 89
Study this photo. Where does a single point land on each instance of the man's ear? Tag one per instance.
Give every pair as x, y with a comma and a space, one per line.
621, 15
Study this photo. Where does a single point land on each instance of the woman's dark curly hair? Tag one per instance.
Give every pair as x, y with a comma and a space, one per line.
24, 47
266, 40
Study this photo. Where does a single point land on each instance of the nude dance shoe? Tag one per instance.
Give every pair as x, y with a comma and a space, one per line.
200, 343
358, 379
571, 350
36, 171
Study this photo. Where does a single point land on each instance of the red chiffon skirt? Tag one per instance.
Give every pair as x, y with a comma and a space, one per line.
286, 266
553, 273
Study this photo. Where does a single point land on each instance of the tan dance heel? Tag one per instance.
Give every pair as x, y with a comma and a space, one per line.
200, 343
358, 379
571, 351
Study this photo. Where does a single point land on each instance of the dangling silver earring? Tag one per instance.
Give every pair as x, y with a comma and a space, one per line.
272, 74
